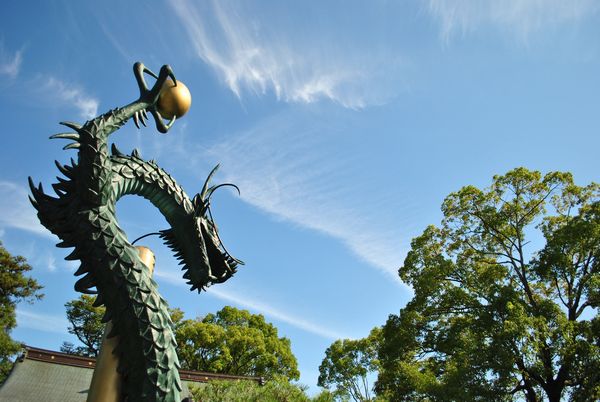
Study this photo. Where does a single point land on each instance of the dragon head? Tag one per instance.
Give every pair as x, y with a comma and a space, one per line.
197, 244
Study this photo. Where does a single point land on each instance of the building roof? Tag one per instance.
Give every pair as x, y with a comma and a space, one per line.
41, 374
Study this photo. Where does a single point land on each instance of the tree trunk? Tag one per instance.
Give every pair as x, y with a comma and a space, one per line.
530, 394
554, 392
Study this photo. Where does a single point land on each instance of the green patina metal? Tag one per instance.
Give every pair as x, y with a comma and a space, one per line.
83, 217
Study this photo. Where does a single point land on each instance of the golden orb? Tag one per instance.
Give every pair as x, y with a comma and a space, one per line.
174, 101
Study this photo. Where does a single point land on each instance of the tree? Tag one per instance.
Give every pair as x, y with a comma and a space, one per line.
249, 391
15, 286
348, 365
492, 318
327, 396
86, 325
236, 342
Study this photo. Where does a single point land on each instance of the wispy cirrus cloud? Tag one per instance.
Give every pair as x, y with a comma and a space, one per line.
117, 44
520, 17
69, 94
42, 321
280, 315
10, 64
259, 307
17, 212
48, 86
261, 53
286, 167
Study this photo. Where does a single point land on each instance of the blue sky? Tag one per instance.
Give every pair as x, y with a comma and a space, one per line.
345, 124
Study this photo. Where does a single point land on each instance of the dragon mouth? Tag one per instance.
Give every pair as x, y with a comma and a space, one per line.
222, 264
204, 258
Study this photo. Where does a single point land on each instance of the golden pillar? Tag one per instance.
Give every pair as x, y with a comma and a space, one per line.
106, 381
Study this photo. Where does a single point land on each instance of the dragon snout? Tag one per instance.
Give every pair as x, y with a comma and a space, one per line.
222, 264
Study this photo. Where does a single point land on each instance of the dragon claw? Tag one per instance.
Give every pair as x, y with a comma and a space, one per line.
136, 120
140, 117
150, 96
170, 124
165, 72
160, 123
149, 72
172, 76
138, 72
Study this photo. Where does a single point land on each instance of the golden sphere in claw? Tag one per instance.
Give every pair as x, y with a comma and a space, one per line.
174, 101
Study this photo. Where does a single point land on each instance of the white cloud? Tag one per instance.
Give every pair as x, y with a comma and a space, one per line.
520, 17
288, 170
255, 52
41, 256
51, 263
17, 212
71, 95
10, 65
259, 307
278, 314
41, 321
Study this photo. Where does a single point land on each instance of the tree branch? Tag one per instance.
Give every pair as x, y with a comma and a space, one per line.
587, 274
560, 293
521, 365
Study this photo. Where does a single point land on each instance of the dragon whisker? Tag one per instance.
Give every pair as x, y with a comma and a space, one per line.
146, 235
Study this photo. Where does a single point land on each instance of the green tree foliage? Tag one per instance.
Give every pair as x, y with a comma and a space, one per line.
327, 396
279, 390
236, 342
349, 364
492, 318
15, 286
86, 325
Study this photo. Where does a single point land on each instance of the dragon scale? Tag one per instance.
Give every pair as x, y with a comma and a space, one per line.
83, 217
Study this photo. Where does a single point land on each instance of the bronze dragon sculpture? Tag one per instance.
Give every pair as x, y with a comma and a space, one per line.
83, 216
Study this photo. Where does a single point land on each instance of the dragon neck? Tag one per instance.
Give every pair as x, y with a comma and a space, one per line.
93, 157
132, 175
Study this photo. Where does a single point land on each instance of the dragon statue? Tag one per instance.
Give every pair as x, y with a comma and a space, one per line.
83, 216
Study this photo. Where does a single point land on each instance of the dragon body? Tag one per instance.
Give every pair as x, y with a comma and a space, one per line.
83, 217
